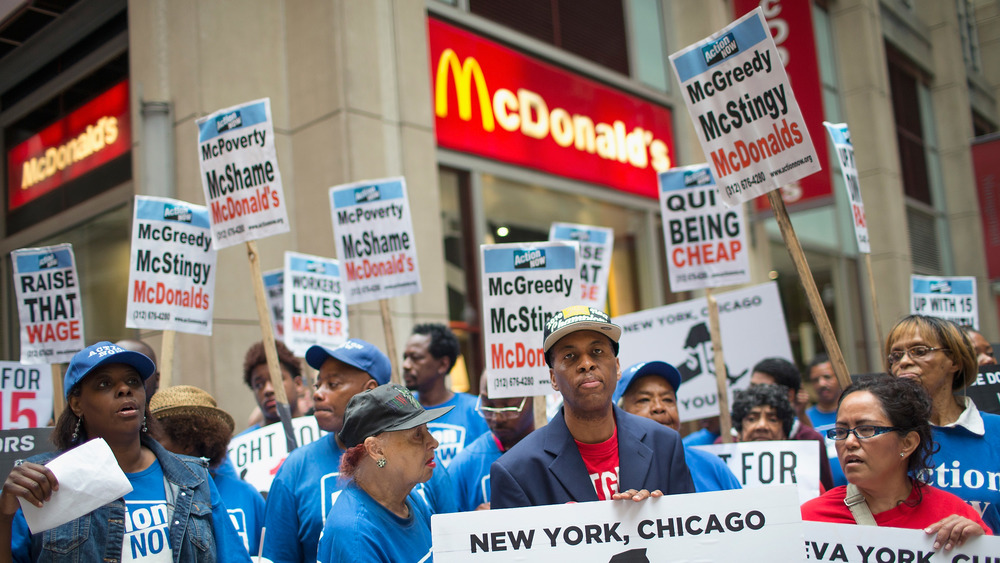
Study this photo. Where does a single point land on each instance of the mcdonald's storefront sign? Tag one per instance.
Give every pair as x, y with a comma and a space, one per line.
495, 102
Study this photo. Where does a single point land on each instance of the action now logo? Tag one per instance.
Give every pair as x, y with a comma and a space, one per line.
46, 261
177, 213
524, 259
717, 51
580, 235
228, 121
940, 287
697, 178
366, 194
315, 267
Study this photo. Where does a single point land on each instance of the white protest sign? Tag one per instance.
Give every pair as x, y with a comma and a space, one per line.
240, 176
274, 286
523, 286
952, 298
171, 280
781, 462
25, 396
257, 455
375, 242
752, 326
744, 110
841, 137
314, 307
49, 305
705, 240
850, 543
716, 526
596, 246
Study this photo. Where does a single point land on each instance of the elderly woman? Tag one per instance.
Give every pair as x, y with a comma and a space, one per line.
882, 438
106, 399
938, 354
389, 451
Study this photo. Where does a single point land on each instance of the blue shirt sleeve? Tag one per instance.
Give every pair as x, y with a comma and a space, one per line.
228, 545
281, 520
20, 544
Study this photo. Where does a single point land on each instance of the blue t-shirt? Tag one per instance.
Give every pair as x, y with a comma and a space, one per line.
147, 518
244, 504
459, 427
709, 472
360, 529
701, 437
470, 471
823, 421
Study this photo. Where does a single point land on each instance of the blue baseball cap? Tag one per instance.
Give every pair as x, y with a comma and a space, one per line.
100, 354
356, 353
635, 371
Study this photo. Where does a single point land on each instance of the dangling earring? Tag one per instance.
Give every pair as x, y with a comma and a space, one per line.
380, 462
76, 430
144, 427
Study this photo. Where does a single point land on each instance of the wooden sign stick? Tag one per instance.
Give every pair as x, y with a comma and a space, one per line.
390, 341
58, 399
167, 358
871, 288
721, 379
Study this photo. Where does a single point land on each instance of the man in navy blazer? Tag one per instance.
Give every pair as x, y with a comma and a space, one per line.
591, 450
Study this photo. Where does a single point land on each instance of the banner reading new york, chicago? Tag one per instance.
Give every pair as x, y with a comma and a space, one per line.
314, 308
596, 245
49, 306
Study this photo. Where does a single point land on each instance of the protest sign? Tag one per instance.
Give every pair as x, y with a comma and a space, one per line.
274, 285
845, 156
985, 391
375, 242
951, 298
25, 396
743, 108
596, 245
257, 455
523, 286
314, 307
172, 267
780, 462
240, 176
849, 543
705, 240
753, 328
23, 443
715, 526
49, 306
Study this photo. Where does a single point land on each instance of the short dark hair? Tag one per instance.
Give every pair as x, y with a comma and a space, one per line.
818, 359
784, 372
774, 396
256, 356
443, 341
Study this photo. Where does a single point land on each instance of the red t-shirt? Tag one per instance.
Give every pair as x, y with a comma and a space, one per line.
601, 461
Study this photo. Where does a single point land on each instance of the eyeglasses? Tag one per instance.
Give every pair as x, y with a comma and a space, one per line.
915, 353
860, 432
498, 412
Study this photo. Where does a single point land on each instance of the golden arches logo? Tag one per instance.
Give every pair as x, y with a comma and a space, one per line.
463, 74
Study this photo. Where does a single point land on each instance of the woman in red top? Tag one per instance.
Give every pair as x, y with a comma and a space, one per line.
883, 438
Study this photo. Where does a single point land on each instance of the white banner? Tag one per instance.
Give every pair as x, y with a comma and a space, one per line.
523, 286
753, 328
596, 246
25, 396
274, 287
705, 240
171, 278
952, 298
752, 524
315, 312
49, 305
765, 464
841, 137
744, 110
850, 543
257, 455
240, 176
375, 242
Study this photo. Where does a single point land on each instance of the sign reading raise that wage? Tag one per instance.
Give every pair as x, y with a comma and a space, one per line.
314, 308
596, 244
240, 174
25, 397
845, 155
172, 267
705, 241
48, 304
952, 298
374, 236
744, 111
523, 285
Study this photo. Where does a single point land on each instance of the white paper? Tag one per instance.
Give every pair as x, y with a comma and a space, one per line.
89, 477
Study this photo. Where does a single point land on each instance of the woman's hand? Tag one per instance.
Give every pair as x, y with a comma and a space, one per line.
30, 481
953, 530
637, 496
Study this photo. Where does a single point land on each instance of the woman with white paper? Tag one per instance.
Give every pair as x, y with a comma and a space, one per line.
173, 511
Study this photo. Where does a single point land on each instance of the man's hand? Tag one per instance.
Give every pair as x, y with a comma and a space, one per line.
637, 496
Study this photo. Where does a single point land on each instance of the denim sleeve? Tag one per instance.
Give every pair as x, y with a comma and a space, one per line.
228, 545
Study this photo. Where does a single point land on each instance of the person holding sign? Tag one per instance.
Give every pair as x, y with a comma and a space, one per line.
172, 497
883, 438
591, 449
936, 353
389, 451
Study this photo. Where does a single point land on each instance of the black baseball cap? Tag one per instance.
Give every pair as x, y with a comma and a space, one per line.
384, 409
580, 317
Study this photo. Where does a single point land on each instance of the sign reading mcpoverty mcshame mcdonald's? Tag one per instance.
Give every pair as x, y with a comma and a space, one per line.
495, 102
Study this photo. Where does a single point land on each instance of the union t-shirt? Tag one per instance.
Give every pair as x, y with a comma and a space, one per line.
601, 461
147, 518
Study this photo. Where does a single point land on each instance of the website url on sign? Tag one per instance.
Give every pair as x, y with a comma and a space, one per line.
791, 165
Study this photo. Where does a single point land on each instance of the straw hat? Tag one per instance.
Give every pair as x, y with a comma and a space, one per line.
187, 399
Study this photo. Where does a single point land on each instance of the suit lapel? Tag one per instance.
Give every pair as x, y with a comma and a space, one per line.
568, 467
634, 457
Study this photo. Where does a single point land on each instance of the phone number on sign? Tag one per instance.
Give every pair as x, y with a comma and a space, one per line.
745, 184
150, 316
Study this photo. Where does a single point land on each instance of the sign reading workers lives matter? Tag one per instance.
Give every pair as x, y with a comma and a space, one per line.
171, 278
523, 286
750, 524
841, 137
274, 287
706, 241
782, 462
752, 325
315, 312
257, 455
744, 110
850, 543
952, 298
49, 305
25, 396
239, 167
374, 236
596, 245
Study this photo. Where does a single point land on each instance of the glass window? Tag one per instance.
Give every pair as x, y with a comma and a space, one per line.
649, 51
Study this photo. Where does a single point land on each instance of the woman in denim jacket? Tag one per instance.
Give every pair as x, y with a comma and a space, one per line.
174, 512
